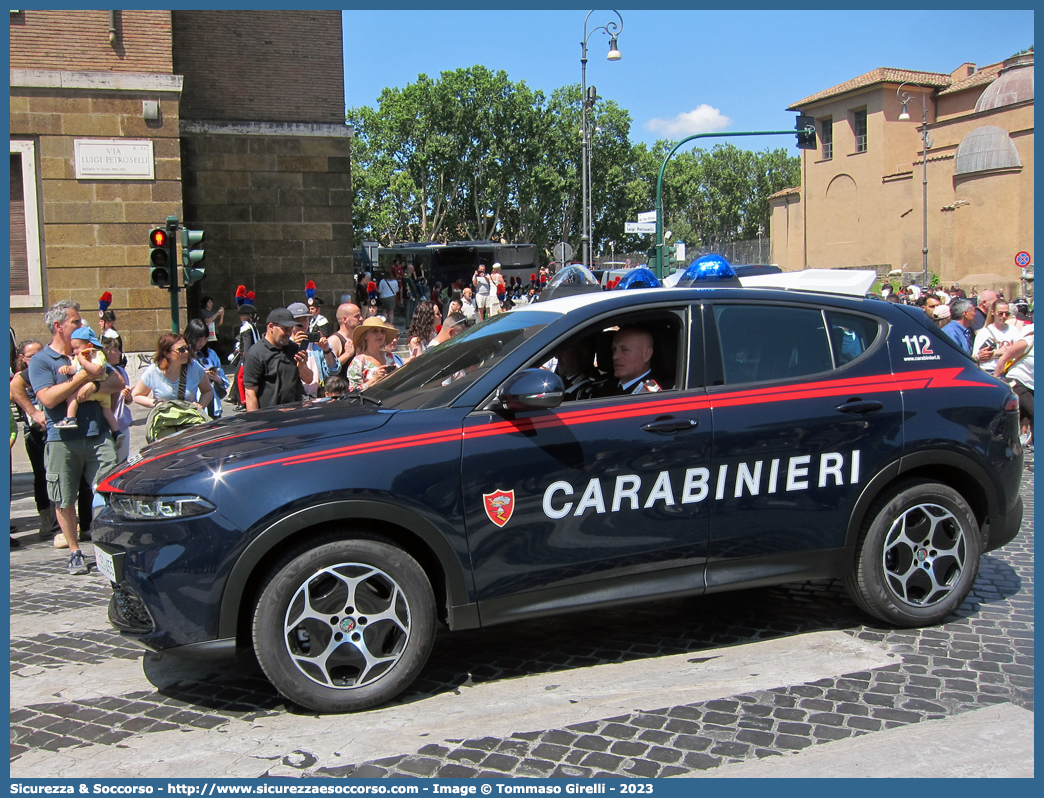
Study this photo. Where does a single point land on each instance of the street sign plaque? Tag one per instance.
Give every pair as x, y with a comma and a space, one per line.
640, 227
647, 216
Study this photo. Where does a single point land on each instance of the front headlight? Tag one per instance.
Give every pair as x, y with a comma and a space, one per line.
158, 508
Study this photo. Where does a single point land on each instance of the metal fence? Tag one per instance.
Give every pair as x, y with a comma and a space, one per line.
755, 250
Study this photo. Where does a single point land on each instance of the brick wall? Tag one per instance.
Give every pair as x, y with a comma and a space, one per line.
95, 232
266, 66
276, 211
79, 41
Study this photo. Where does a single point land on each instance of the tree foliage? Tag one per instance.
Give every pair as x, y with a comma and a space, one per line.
474, 156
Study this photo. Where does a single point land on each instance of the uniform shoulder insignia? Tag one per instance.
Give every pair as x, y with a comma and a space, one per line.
650, 386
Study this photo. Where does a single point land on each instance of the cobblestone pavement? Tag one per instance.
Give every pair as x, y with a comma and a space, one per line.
982, 656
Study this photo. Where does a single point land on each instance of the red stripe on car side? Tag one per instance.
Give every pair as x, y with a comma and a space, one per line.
911, 380
104, 484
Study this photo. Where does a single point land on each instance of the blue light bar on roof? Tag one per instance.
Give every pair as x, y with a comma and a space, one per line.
638, 278
708, 269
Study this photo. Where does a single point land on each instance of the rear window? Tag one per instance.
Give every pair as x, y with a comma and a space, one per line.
762, 343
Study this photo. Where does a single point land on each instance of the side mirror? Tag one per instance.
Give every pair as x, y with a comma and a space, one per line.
532, 389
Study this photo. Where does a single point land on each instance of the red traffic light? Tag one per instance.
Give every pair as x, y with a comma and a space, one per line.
158, 237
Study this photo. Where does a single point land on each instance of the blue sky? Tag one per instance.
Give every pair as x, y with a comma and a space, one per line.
682, 72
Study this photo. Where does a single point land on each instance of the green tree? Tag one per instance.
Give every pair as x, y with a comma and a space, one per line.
475, 156
721, 195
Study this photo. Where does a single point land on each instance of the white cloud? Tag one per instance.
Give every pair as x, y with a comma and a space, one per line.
704, 119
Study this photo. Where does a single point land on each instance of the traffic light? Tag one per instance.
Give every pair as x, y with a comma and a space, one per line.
806, 132
191, 255
161, 244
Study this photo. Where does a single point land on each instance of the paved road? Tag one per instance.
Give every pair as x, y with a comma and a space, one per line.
771, 682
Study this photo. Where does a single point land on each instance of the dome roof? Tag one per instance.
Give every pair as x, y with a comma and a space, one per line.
1013, 85
986, 148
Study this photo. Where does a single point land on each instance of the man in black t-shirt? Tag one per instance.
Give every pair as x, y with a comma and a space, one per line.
275, 366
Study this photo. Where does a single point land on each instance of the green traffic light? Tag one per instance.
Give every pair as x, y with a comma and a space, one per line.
192, 255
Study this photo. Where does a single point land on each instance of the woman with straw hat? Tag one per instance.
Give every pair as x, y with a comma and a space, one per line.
368, 365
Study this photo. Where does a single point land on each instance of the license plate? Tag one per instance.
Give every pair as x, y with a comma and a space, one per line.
105, 564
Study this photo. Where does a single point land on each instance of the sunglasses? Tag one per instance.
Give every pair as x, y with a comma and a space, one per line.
1002, 313
180, 350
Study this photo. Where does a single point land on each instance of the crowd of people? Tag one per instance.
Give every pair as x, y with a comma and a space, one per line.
994, 332
73, 394
398, 292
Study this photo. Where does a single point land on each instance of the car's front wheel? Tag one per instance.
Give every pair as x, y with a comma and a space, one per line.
346, 625
918, 555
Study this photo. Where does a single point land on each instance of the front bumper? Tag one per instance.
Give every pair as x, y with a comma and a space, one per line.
170, 576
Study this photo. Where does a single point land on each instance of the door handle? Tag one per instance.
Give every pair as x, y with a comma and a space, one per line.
860, 407
669, 426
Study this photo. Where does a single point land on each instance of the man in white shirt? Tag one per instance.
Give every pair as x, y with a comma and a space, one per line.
467, 305
482, 285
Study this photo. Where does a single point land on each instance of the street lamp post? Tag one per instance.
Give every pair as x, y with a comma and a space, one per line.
612, 30
660, 236
905, 98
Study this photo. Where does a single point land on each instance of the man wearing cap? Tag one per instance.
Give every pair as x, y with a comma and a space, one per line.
940, 315
322, 360
276, 368
87, 450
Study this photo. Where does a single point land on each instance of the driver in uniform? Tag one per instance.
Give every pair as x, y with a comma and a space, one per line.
632, 374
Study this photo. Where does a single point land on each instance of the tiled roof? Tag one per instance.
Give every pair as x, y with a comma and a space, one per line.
785, 192
879, 75
980, 78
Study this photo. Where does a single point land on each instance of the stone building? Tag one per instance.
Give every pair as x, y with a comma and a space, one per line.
232, 121
861, 201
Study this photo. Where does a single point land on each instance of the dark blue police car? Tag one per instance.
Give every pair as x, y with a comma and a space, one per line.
795, 436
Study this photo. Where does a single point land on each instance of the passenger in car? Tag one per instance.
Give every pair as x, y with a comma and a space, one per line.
632, 373
576, 368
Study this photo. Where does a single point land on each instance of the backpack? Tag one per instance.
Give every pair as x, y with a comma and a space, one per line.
169, 417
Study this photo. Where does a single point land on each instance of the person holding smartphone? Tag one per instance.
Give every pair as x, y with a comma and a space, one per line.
197, 339
322, 360
996, 336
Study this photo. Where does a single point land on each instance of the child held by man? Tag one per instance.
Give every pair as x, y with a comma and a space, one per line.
88, 356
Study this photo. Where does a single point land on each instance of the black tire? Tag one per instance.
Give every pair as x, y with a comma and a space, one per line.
366, 603
918, 555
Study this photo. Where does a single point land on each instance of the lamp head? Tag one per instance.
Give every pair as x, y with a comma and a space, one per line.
904, 116
614, 52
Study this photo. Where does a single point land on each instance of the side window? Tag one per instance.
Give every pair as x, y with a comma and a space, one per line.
760, 343
584, 360
850, 335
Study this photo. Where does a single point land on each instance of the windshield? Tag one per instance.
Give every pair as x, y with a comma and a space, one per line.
440, 375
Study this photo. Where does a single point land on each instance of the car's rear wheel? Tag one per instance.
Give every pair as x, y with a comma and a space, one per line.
918, 555
346, 625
